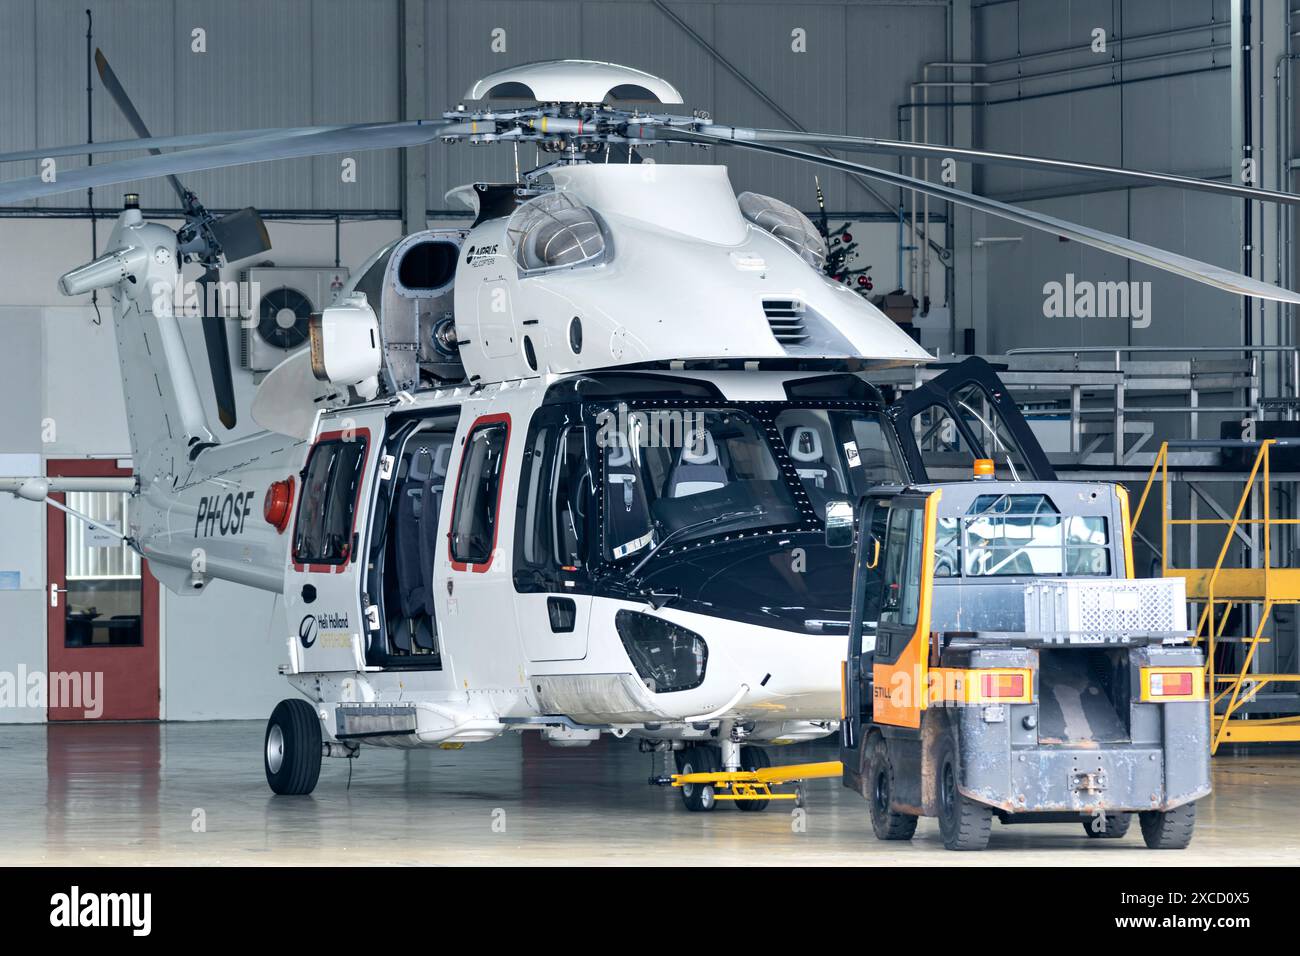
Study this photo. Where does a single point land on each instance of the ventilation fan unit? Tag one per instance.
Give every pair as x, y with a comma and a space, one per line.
281, 302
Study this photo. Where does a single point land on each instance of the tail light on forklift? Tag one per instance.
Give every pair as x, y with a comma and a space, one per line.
1002, 685
1165, 684
984, 685
275, 506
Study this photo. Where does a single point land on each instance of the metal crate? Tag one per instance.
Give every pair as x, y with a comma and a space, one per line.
1106, 610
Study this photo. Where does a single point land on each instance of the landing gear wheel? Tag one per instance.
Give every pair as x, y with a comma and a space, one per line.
887, 824
753, 758
1168, 829
963, 823
1112, 826
698, 797
292, 751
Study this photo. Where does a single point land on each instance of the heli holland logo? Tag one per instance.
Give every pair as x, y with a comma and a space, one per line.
307, 628
334, 626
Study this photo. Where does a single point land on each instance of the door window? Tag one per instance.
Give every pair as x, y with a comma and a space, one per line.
103, 605
327, 508
902, 557
478, 494
555, 498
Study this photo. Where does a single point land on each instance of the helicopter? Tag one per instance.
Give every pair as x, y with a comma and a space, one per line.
585, 466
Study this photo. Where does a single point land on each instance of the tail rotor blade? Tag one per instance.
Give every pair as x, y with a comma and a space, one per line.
218, 349
240, 234
123, 101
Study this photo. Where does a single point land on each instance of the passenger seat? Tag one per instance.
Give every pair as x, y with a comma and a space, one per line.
698, 469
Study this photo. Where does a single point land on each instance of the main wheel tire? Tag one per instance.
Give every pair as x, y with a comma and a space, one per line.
963, 823
698, 797
1168, 829
886, 823
753, 758
1112, 826
292, 751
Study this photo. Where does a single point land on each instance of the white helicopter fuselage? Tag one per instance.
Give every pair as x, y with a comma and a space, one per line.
672, 292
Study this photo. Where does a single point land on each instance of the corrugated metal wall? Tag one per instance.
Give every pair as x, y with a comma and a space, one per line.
300, 62
1169, 114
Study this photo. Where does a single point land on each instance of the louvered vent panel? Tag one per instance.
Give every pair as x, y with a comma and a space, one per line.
785, 319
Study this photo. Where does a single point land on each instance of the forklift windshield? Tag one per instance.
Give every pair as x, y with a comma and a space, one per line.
1019, 534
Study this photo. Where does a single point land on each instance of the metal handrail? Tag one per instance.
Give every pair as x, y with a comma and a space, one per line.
1210, 626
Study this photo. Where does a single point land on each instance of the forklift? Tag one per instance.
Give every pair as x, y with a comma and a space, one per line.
1004, 662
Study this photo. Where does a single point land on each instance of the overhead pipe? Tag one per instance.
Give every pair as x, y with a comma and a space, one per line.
926, 85
1116, 42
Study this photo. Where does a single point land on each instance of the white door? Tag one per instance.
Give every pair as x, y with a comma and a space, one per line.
323, 585
555, 507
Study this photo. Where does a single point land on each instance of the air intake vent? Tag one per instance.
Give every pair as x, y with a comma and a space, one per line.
785, 318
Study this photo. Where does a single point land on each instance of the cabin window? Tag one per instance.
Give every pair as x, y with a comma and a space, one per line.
554, 498
327, 506
478, 494
569, 492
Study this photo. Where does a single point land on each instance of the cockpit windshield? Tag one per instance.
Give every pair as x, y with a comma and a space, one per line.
838, 453
666, 470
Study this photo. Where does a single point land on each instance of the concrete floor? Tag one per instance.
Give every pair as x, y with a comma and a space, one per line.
134, 793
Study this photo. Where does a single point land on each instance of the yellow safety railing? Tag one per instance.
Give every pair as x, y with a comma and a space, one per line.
1220, 589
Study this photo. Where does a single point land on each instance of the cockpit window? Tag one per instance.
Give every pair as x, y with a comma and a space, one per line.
669, 471
838, 453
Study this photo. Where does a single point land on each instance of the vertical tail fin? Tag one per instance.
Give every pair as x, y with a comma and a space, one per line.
164, 408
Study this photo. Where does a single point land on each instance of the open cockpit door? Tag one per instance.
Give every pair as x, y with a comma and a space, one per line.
964, 414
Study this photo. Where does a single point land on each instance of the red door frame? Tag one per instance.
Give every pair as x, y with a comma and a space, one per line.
130, 688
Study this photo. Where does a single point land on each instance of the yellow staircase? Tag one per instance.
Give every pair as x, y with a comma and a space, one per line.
1220, 589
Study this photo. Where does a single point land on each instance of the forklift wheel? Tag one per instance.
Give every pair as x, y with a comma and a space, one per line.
887, 824
753, 758
292, 751
698, 797
963, 823
1112, 826
1168, 829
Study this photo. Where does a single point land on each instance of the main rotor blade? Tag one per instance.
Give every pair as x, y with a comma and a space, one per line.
1193, 269
362, 136
123, 101
890, 147
155, 143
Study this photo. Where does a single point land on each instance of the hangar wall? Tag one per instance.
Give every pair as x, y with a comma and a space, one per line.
1162, 103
